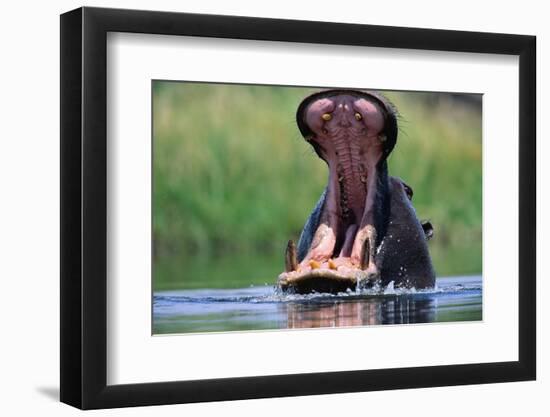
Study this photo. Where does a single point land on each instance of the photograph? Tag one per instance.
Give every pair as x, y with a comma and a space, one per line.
246, 209
290, 207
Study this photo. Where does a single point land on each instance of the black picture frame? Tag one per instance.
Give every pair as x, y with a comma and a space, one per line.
84, 207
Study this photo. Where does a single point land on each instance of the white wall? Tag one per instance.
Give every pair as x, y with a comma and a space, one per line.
29, 267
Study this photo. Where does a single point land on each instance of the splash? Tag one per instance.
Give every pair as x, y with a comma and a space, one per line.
273, 294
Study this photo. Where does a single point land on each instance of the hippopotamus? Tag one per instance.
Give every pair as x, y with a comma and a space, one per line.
363, 230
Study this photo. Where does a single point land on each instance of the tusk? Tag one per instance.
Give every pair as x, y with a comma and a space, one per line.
428, 229
365, 254
290, 257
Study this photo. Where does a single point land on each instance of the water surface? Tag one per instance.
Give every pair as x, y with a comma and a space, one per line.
263, 307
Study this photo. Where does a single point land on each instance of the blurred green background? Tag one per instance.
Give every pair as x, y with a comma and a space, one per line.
234, 180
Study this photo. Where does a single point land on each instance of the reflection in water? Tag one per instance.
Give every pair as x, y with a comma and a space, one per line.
261, 308
395, 310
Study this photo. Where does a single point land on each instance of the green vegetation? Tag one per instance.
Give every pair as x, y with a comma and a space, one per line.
234, 180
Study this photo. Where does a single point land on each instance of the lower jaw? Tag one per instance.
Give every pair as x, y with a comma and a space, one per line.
325, 280
336, 274
321, 283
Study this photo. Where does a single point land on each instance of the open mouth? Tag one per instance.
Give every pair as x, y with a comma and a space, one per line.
337, 249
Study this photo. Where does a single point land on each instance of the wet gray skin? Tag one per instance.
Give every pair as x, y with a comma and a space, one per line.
364, 229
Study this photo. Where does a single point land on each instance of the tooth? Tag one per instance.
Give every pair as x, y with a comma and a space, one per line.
290, 257
314, 264
365, 255
331, 264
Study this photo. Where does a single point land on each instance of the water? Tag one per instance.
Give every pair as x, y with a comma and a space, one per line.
263, 308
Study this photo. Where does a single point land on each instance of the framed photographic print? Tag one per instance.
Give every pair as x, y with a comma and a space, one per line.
257, 207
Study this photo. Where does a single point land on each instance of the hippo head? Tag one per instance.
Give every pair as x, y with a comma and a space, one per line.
353, 132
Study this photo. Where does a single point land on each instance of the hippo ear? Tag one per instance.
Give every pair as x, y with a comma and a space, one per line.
428, 229
408, 190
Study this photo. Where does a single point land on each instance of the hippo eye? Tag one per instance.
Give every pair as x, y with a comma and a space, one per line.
358, 116
326, 117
